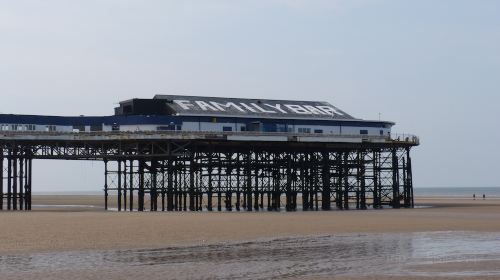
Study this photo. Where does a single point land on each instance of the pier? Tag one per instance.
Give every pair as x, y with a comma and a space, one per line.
221, 171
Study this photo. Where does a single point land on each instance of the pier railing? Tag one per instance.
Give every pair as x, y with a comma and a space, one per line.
221, 135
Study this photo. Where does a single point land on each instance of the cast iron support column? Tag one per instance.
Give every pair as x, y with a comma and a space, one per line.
1, 179
345, 178
248, 171
14, 185
170, 189
30, 182
125, 187
191, 183
238, 192
140, 193
105, 184
395, 180
409, 177
376, 199
154, 186
9, 180
288, 194
325, 196
119, 198
362, 178
210, 187
21, 180
131, 186
256, 189
406, 191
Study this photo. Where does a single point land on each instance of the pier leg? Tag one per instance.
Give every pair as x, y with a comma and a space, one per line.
14, 185
170, 188
119, 201
21, 182
210, 187
256, 187
131, 186
325, 196
376, 199
191, 183
105, 185
1, 178
345, 174
125, 187
248, 171
9, 180
362, 178
395, 180
409, 178
140, 194
30, 180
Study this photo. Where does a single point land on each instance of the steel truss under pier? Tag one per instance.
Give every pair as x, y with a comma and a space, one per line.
216, 174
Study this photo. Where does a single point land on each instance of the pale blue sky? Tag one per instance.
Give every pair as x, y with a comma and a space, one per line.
431, 66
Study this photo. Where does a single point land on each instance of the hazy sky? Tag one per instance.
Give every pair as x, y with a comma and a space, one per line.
431, 66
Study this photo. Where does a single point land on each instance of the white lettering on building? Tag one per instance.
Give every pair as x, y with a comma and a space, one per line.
297, 109
314, 110
260, 108
222, 106
184, 104
277, 107
330, 110
205, 106
248, 108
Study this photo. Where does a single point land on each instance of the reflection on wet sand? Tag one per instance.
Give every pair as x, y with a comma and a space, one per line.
436, 253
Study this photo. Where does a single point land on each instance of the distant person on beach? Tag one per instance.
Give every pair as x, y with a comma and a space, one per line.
484, 196
474, 196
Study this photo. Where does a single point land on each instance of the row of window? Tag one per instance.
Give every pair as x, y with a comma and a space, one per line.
171, 127
24, 127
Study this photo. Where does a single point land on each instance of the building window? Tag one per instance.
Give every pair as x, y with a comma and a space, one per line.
318, 131
214, 120
243, 128
227, 128
165, 127
30, 127
50, 128
281, 128
96, 127
381, 132
363, 132
115, 127
304, 130
78, 128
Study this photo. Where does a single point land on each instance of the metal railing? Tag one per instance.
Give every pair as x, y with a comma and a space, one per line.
404, 137
393, 137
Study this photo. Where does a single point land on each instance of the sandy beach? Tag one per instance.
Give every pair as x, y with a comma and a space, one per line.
86, 228
79, 224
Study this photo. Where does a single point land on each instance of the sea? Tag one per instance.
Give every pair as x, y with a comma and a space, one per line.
457, 192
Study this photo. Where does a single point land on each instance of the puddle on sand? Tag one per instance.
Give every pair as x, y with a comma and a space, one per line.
352, 254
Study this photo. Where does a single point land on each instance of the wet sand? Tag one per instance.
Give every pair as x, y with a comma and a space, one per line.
79, 224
